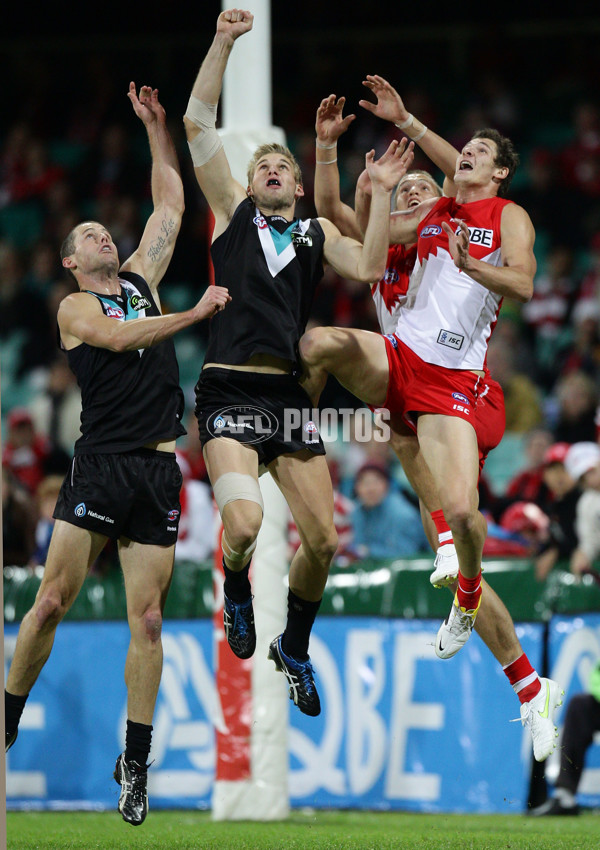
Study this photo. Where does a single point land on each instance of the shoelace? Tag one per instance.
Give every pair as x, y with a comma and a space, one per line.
137, 787
460, 620
305, 677
242, 625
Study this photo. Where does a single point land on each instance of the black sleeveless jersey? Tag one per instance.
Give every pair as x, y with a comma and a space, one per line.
128, 398
271, 268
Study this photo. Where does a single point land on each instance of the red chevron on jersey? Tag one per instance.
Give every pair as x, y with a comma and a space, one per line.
389, 293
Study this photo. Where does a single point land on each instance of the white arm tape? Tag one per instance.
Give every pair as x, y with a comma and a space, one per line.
204, 146
208, 142
232, 486
200, 113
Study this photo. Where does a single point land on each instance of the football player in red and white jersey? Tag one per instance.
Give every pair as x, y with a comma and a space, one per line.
473, 250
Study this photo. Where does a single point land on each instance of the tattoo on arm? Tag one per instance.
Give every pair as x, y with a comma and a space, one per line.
157, 245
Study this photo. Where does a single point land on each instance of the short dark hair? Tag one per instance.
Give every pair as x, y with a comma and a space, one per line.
68, 246
506, 156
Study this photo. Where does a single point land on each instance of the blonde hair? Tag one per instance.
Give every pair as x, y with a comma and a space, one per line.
273, 147
421, 175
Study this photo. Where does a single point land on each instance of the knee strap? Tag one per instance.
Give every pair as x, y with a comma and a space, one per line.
232, 486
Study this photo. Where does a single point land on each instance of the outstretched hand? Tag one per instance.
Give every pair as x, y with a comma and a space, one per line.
458, 243
392, 166
147, 106
389, 104
329, 124
235, 22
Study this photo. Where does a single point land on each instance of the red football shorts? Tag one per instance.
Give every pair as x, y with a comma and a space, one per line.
419, 387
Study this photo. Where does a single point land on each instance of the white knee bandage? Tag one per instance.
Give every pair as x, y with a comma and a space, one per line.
236, 485
237, 557
208, 142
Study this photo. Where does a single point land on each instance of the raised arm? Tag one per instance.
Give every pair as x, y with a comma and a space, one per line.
390, 107
153, 254
514, 278
81, 319
367, 262
329, 126
211, 167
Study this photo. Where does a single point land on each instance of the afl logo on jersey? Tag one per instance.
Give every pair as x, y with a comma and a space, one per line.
390, 276
115, 313
253, 424
392, 339
431, 230
461, 397
80, 510
172, 515
260, 221
312, 432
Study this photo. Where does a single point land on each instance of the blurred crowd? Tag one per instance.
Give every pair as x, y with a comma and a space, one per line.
91, 161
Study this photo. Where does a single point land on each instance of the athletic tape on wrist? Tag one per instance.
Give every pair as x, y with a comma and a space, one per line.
420, 135
406, 123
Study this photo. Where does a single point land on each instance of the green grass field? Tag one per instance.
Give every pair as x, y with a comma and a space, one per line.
303, 830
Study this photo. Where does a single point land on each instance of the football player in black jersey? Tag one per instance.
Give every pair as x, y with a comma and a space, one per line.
124, 480
271, 261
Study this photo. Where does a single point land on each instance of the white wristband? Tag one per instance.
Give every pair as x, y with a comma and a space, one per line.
326, 147
420, 135
406, 123
328, 162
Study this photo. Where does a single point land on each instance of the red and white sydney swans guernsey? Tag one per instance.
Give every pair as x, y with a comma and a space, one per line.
449, 317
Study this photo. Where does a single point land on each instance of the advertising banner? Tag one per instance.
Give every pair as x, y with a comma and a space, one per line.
399, 729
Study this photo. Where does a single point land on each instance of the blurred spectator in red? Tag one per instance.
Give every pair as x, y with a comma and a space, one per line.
528, 485
523, 529
576, 395
37, 173
583, 465
197, 523
18, 521
561, 507
25, 452
30, 455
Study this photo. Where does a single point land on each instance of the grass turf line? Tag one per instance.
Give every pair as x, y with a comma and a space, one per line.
317, 830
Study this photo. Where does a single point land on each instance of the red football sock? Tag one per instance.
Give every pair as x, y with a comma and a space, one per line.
442, 528
468, 591
524, 679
